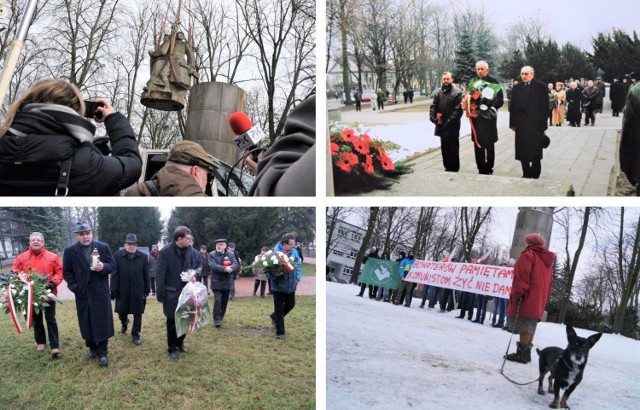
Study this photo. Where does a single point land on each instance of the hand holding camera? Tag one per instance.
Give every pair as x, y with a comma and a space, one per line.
98, 110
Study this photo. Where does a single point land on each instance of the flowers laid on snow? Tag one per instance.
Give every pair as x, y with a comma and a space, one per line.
361, 163
24, 294
277, 263
193, 310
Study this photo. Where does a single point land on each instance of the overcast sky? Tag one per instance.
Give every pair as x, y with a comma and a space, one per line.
575, 21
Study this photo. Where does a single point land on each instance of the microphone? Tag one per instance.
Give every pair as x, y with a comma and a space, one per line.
248, 136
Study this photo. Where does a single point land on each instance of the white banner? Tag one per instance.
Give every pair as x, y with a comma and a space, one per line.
469, 277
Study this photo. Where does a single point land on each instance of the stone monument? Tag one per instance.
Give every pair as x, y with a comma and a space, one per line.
529, 220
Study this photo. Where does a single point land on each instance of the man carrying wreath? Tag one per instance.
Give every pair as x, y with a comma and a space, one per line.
284, 286
485, 127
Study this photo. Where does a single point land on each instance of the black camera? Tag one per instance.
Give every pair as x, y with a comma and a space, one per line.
91, 109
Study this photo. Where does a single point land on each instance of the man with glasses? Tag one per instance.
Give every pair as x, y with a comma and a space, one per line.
528, 118
46, 263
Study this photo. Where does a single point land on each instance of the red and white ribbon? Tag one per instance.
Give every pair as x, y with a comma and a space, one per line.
12, 308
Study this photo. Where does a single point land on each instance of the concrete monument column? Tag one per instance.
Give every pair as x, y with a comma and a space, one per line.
530, 220
210, 105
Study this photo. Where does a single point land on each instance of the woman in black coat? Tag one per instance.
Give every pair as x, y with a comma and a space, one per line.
47, 146
130, 286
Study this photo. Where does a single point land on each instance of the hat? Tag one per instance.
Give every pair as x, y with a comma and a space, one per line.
534, 239
83, 227
220, 240
190, 153
131, 238
231, 244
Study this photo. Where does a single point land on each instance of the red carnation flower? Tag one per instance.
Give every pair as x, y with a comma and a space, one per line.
386, 163
347, 135
473, 107
361, 146
476, 95
335, 148
368, 165
346, 161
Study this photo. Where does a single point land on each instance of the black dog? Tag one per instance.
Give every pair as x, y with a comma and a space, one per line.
566, 366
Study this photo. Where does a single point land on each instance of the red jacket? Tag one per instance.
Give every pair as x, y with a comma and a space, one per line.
532, 280
46, 262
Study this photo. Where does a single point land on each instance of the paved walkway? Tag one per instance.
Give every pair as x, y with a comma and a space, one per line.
580, 161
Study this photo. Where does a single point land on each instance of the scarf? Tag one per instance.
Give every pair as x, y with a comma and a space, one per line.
45, 119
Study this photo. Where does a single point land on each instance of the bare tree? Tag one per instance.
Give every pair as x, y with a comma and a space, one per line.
371, 222
627, 275
472, 221
334, 215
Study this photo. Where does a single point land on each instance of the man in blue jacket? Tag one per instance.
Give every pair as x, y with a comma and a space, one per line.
284, 286
405, 287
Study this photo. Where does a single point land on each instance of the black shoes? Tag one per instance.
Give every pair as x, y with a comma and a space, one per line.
218, 324
273, 321
123, 327
281, 337
137, 342
92, 354
173, 356
183, 349
476, 321
104, 361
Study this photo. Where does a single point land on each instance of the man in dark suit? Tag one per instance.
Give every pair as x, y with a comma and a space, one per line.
486, 128
528, 118
174, 259
87, 276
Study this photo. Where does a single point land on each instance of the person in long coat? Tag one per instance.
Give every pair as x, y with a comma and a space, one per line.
574, 104
528, 118
630, 141
130, 285
530, 291
616, 95
559, 103
174, 259
445, 112
90, 285
222, 263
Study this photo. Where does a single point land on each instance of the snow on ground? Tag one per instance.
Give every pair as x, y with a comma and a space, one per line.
382, 356
413, 137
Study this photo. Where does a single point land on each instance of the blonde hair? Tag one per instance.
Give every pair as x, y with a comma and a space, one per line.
46, 91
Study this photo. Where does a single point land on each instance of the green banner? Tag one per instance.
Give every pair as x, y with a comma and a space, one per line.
381, 272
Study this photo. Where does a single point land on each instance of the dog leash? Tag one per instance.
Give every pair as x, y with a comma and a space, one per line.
515, 322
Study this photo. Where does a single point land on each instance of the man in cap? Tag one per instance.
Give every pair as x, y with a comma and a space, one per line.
130, 285
232, 248
90, 284
153, 262
185, 173
174, 259
222, 263
45, 263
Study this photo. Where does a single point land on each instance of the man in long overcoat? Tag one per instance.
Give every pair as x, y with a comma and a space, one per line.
528, 118
130, 286
174, 259
630, 141
90, 284
616, 95
445, 112
222, 263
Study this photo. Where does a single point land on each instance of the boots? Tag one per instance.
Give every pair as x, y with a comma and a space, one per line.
522, 354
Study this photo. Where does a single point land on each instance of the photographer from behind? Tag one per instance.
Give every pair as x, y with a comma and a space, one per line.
47, 146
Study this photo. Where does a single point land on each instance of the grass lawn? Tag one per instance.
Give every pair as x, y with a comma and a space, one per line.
239, 366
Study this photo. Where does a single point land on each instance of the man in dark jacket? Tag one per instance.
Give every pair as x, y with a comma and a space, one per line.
486, 128
528, 118
284, 286
616, 95
130, 285
630, 141
174, 259
574, 104
89, 282
530, 291
445, 112
222, 263
153, 263
206, 271
589, 103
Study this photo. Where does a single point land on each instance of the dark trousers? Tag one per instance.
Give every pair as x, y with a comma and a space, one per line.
466, 304
282, 304
173, 341
205, 279
446, 293
485, 158
589, 114
481, 312
372, 290
262, 284
52, 327
137, 324
153, 284
358, 105
220, 301
100, 348
450, 149
531, 169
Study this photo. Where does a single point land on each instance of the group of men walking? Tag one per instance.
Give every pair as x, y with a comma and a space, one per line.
87, 264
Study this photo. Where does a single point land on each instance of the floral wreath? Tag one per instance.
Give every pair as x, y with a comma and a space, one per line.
477, 102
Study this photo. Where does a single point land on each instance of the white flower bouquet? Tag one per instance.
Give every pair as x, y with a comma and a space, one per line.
193, 310
275, 263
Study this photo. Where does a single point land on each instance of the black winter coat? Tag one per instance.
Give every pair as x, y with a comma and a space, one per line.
447, 102
130, 282
31, 165
574, 105
91, 290
630, 141
168, 282
616, 95
220, 279
487, 129
528, 115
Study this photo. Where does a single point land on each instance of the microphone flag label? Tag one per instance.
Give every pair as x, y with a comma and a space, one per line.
380, 272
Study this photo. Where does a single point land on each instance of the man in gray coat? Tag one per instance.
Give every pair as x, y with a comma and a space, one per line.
130, 286
222, 263
174, 259
89, 282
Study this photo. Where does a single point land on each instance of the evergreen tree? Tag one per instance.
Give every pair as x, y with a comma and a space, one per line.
544, 57
510, 67
465, 58
115, 223
48, 221
616, 54
574, 63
